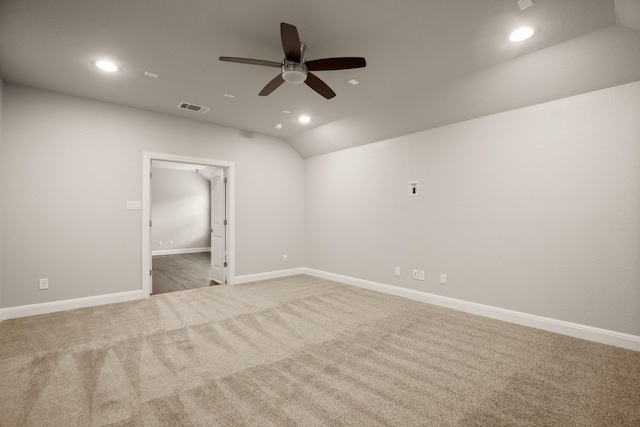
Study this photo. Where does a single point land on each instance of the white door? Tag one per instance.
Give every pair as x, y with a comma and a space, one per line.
218, 226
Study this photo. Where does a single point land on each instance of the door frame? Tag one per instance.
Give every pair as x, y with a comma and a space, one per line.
147, 157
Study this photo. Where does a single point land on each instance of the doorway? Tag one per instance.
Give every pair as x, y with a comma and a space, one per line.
181, 217
219, 263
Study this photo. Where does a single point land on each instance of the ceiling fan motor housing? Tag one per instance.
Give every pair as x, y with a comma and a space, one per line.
294, 72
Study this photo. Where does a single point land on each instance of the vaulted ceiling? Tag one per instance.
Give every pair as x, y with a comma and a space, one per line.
429, 63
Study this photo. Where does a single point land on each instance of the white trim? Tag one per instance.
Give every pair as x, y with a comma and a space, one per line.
147, 157
180, 251
590, 333
603, 336
269, 275
52, 307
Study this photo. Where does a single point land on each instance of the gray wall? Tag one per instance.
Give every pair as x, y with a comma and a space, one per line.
68, 165
535, 210
180, 210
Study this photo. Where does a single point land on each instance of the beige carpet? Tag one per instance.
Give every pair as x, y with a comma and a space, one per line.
304, 351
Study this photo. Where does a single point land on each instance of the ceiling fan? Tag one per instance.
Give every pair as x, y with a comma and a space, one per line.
294, 68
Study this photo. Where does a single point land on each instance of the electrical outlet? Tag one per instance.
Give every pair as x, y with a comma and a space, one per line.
416, 274
284, 258
44, 283
397, 272
421, 275
443, 279
159, 242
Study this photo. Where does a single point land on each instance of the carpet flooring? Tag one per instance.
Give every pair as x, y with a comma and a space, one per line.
303, 351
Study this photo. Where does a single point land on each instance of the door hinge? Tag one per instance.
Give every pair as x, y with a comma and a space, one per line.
225, 222
149, 223
225, 264
150, 272
225, 180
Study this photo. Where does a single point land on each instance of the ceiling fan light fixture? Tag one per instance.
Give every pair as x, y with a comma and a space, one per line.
295, 73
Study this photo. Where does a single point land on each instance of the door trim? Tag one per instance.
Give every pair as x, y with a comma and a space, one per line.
147, 157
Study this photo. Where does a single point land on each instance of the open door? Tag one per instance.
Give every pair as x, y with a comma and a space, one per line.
218, 226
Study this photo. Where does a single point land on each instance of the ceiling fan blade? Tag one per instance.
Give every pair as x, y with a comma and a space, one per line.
251, 61
290, 42
336, 64
272, 85
319, 86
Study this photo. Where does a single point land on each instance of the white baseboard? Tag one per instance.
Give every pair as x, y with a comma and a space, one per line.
51, 307
575, 330
268, 275
603, 336
180, 251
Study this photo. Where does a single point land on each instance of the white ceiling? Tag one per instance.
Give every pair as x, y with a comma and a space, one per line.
425, 59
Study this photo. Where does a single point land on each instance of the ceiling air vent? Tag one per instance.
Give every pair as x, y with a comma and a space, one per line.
192, 107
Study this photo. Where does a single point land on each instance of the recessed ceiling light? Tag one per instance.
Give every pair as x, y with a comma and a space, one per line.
354, 82
150, 74
286, 111
521, 34
107, 66
304, 119
278, 126
228, 95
